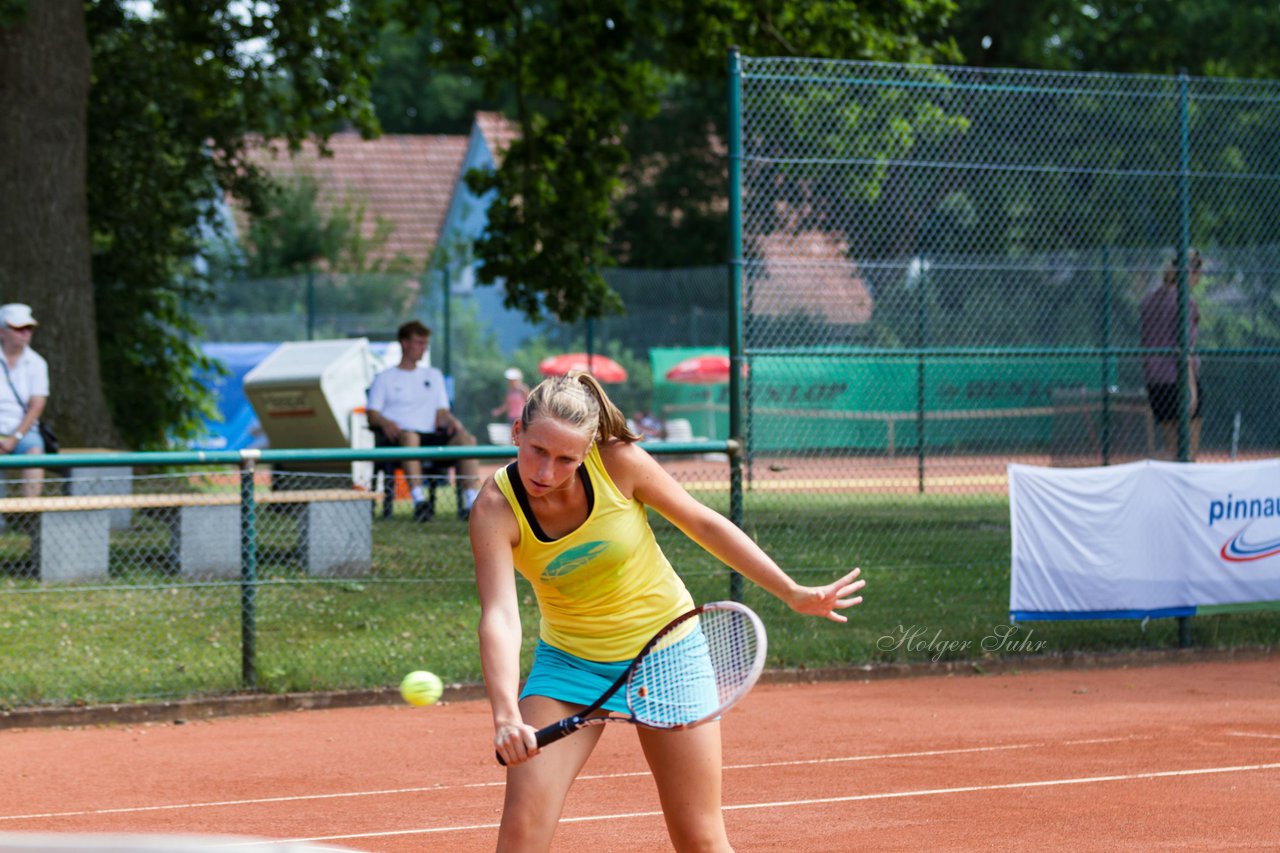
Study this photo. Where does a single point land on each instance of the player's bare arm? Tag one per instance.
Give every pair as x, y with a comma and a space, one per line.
494, 532
638, 474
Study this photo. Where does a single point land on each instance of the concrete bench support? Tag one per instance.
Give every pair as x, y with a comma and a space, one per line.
114, 480
70, 546
70, 533
336, 538
206, 541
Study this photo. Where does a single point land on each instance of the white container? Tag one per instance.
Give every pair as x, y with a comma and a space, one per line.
304, 392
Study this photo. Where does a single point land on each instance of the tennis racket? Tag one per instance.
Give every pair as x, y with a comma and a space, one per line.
692, 671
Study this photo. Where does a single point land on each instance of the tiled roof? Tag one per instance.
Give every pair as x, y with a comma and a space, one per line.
810, 273
405, 180
498, 132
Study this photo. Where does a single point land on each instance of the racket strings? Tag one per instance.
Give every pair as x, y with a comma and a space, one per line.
696, 671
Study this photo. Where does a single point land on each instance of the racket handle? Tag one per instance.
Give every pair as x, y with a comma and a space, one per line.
552, 733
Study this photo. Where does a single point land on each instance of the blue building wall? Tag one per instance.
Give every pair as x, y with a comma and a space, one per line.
465, 223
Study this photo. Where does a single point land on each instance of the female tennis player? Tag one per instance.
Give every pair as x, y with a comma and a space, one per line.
569, 515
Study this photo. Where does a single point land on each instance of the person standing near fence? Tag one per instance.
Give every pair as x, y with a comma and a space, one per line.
24, 393
1159, 322
513, 400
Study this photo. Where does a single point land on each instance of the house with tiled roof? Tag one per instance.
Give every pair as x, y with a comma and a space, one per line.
416, 185
406, 181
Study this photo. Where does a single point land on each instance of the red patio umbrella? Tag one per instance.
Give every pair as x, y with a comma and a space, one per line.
702, 370
601, 366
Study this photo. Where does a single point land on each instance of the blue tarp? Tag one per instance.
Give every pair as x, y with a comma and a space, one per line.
238, 427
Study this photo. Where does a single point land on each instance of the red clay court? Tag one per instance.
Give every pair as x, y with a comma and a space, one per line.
1172, 756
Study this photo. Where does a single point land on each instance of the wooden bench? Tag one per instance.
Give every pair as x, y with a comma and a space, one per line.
70, 534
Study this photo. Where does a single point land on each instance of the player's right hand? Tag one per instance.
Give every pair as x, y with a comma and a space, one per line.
516, 743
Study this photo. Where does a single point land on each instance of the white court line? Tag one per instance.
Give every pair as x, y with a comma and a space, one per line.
1253, 734
501, 783
922, 754
892, 795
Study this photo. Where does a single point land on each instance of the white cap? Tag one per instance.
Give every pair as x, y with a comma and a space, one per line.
513, 373
17, 315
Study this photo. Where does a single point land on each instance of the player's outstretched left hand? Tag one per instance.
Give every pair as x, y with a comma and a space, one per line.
827, 601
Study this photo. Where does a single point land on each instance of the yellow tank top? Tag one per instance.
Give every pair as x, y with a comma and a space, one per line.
606, 588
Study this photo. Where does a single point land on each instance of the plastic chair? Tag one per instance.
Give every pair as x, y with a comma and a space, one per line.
499, 434
434, 473
679, 429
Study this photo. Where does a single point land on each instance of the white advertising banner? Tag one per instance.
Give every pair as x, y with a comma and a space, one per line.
1145, 539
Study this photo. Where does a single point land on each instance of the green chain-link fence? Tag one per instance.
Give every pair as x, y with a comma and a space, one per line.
942, 271
149, 578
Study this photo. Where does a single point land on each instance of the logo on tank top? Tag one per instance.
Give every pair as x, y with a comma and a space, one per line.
574, 559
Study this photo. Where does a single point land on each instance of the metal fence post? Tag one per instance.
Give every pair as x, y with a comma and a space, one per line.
447, 364
1184, 297
922, 321
248, 572
1108, 359
736, 360
1183, 260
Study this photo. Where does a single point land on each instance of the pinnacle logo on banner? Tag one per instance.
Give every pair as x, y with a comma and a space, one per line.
1146, 539
1257, 535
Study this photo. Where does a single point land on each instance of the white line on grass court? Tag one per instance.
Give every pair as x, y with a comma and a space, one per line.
586, 777
822, 801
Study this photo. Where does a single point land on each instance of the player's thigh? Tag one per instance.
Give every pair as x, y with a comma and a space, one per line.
687, 767
543, 782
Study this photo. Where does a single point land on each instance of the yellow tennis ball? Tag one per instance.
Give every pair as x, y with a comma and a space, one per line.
421, 688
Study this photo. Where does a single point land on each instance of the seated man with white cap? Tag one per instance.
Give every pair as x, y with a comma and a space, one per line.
24, 392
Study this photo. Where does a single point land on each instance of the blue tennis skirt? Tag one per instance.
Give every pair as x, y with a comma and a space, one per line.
559, 675
569, 678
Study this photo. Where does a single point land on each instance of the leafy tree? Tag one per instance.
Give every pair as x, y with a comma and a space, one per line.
413, 92
672, 212
1220, 38
123, 129
44, 233
161, 108
582, 71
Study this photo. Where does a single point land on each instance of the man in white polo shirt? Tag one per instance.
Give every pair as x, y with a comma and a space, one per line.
410, 406
23, 391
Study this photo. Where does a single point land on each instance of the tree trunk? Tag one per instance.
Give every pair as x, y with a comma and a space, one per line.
44, 224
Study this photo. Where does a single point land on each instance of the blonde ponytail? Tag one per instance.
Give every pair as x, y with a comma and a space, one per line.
578, 398
613, 423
